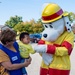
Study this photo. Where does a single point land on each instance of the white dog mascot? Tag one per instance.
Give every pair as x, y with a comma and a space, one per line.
57, 41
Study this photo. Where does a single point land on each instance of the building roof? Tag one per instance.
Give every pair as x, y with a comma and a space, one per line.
1, 26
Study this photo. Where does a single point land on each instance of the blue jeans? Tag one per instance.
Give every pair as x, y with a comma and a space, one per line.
23, 69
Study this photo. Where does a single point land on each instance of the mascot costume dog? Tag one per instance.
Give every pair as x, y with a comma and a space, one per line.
57, 41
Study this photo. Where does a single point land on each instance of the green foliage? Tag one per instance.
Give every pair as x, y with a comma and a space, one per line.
23, 27
13, 21
19, 26
28, 28
72, 16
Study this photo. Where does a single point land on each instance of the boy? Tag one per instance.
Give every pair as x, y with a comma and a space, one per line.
25, 48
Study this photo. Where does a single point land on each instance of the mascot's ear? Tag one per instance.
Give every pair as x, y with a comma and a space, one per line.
67, 23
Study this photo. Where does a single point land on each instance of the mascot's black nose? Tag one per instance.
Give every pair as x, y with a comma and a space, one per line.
45, 35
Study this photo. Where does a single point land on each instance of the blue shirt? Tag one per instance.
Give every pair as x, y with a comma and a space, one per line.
14, 58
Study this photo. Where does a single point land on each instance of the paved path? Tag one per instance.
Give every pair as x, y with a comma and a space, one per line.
34, 67
73, 61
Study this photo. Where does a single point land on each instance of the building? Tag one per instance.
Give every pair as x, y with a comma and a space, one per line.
1, 27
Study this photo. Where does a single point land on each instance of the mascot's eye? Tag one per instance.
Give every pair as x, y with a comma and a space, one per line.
46, 26
51, 26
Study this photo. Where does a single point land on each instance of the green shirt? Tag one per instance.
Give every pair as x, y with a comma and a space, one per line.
25, 50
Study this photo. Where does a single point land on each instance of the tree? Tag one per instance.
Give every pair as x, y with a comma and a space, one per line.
28, 28
72, 16
13, 21
19, 27
39, 21
32, 26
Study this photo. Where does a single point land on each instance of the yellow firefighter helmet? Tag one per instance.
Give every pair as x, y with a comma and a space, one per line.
52, 12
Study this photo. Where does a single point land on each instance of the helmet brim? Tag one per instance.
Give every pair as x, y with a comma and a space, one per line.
48, 21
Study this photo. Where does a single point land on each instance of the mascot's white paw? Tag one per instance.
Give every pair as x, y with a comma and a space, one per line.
40, 48
47, 58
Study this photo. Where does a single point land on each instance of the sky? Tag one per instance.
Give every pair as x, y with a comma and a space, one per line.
29, 9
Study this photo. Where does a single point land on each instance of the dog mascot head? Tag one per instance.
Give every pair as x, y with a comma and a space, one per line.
55, 22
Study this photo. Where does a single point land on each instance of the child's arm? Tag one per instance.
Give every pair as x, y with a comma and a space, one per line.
29, 48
